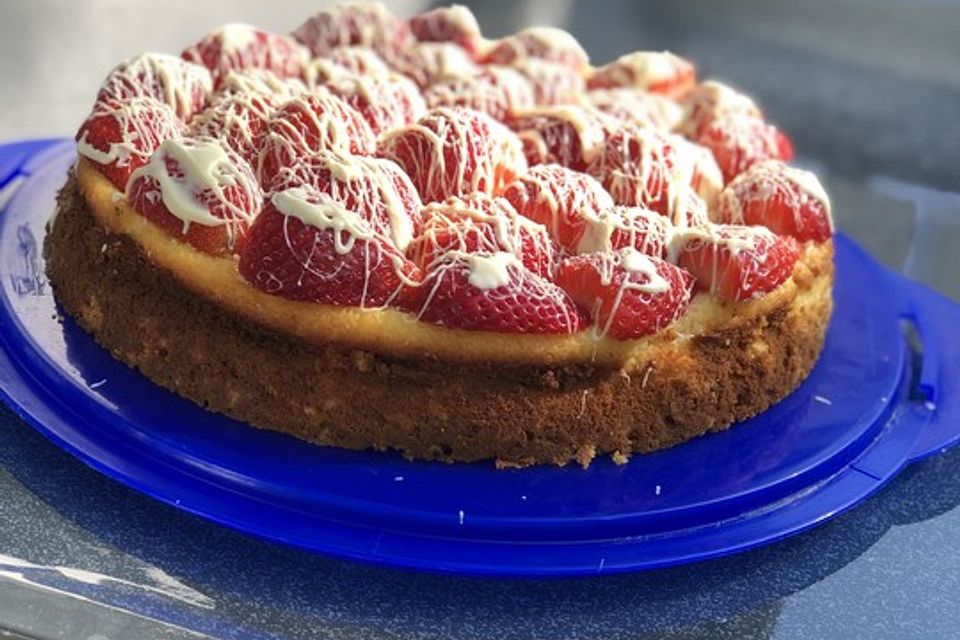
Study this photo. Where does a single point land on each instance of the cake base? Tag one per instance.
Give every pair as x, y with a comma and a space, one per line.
428, 408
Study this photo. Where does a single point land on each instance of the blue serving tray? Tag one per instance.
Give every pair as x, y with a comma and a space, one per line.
869, 408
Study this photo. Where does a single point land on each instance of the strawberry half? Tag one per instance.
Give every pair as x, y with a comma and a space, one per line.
365, 24
312, 122
307, 246
713, 100
628, 294
570, 135
238, 120
478, 223
739, 141
738, 262
496, 91
553, 83
559, 198
375, 188
455, 24
455, 152
544, 43
785, 200
235, 47
181, 85
654, 71
385, 101
261, 83
619, 227
637, 106
197, 190
428, 63
119, 137
637, 166
494, 292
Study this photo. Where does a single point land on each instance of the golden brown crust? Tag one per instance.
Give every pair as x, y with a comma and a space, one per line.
428, 407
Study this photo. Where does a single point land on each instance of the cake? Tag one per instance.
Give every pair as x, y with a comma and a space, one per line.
396, 234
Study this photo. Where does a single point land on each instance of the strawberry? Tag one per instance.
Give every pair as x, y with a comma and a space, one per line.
428, 63
619, 227
637, 166
713, 100
365, 24
454, 152
342, 62
494, 292
559, 198
261, 83
739, 141
553, 83
197, 190
654, 71
118, 137
637, 106
629, 295
544, 43
787, 201
696, 166
376, 189
239, 120
568, 134
738, 262
180, 84
385, 101
478, 223
312, 122
495, 90
307, 246
454, 24
235, 47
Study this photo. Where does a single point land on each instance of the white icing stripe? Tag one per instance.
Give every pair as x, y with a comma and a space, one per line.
491, 271
320, 210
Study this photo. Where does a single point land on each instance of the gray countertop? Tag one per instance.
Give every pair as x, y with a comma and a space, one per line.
870, 92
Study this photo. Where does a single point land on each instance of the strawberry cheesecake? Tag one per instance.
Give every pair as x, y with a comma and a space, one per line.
399, 234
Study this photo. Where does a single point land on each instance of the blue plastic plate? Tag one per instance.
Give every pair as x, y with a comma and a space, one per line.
860, 417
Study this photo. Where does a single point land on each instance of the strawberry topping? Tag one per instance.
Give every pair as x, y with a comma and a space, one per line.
454, 152
455, 24
543, 43
494, 292
637, 106
385, 101
654, 71
428, 63
365, 24
739, 141
177, 83
119, 137
570, 135
628, 294
239, 120
235, 47
785, 200
495, 90
738, 262
711, 101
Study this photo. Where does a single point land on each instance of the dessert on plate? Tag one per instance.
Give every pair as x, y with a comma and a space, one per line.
400, 234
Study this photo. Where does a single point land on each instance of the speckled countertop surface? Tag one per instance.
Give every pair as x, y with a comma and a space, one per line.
869, 90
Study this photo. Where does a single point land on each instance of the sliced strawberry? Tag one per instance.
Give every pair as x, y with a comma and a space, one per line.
455, 24
364, 24
640, 107
544, 43
261, 83
454, 152
787, 201
494, 292
428, 63
315, 121
553, 83
385, 101
570, 135
478, 223
654, 71
235, 47
559, 198
619, 227
713, 100
197, 190
628, 294
496, 91
180, 84
696, 166
239, 120
739, 141
375, 188
637, 166
118, 137
738, 262
307, 246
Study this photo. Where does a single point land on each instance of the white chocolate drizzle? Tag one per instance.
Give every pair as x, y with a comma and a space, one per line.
180, 84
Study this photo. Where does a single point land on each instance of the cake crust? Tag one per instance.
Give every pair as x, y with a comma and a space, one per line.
575, 400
